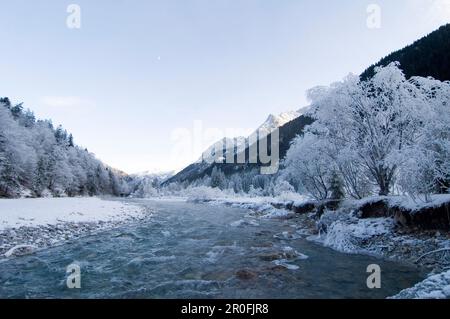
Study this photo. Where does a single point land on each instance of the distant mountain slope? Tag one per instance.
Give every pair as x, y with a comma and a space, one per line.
203, 167
161, 175
145, 184
230, 144
210, 154
200, 169
429, 56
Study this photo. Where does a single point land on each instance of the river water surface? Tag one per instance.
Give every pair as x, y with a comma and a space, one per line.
187, 250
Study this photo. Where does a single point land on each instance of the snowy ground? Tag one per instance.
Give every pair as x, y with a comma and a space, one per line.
434, 287
30, 224
406, 201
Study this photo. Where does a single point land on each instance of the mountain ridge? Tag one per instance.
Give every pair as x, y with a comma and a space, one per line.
417, 59
427, 56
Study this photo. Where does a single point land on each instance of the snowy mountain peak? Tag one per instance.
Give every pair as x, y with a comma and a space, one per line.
155, 174
275, 121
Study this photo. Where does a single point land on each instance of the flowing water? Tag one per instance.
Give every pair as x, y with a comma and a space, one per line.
187, 250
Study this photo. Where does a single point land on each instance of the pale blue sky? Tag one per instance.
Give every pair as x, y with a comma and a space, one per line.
138, 70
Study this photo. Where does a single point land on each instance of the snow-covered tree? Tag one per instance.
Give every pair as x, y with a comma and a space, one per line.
336, 187
368, 121
37, 159
426, 166
380, 131
306, 161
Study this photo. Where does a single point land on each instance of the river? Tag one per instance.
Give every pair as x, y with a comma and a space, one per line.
188, 250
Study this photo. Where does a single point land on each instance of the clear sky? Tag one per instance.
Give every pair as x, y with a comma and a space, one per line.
138, 71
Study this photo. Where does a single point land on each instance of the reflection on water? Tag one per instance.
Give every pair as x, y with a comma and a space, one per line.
199, 251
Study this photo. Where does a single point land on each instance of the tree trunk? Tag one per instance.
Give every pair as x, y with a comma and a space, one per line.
384, 183
383, 192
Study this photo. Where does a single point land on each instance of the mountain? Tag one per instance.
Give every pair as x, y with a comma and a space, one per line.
154, 174
227, 144
428, 56
276, 121
289, 124
145, 184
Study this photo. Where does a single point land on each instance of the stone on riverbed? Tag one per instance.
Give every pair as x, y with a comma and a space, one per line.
245, 274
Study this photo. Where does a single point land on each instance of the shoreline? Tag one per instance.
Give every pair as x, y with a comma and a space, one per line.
317, 228
377, 236
66, 219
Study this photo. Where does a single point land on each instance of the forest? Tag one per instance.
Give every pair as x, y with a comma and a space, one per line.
39, 160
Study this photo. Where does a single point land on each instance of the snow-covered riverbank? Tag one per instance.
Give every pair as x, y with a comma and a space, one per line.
343, 230
30, 224
436, 286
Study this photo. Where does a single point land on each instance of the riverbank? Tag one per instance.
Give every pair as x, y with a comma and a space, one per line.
394, 228
27, 225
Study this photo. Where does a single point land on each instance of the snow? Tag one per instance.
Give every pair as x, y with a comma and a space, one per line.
203, 193
358, 138
405, 202
261, 204
345, 237
162, 175
276, 121
292, 251
291, 255
221, 147
20, 249
434, 287
16, 213
285, 263
416, 205
227, 144
264, 206
163, 199
278, 214
42, 160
